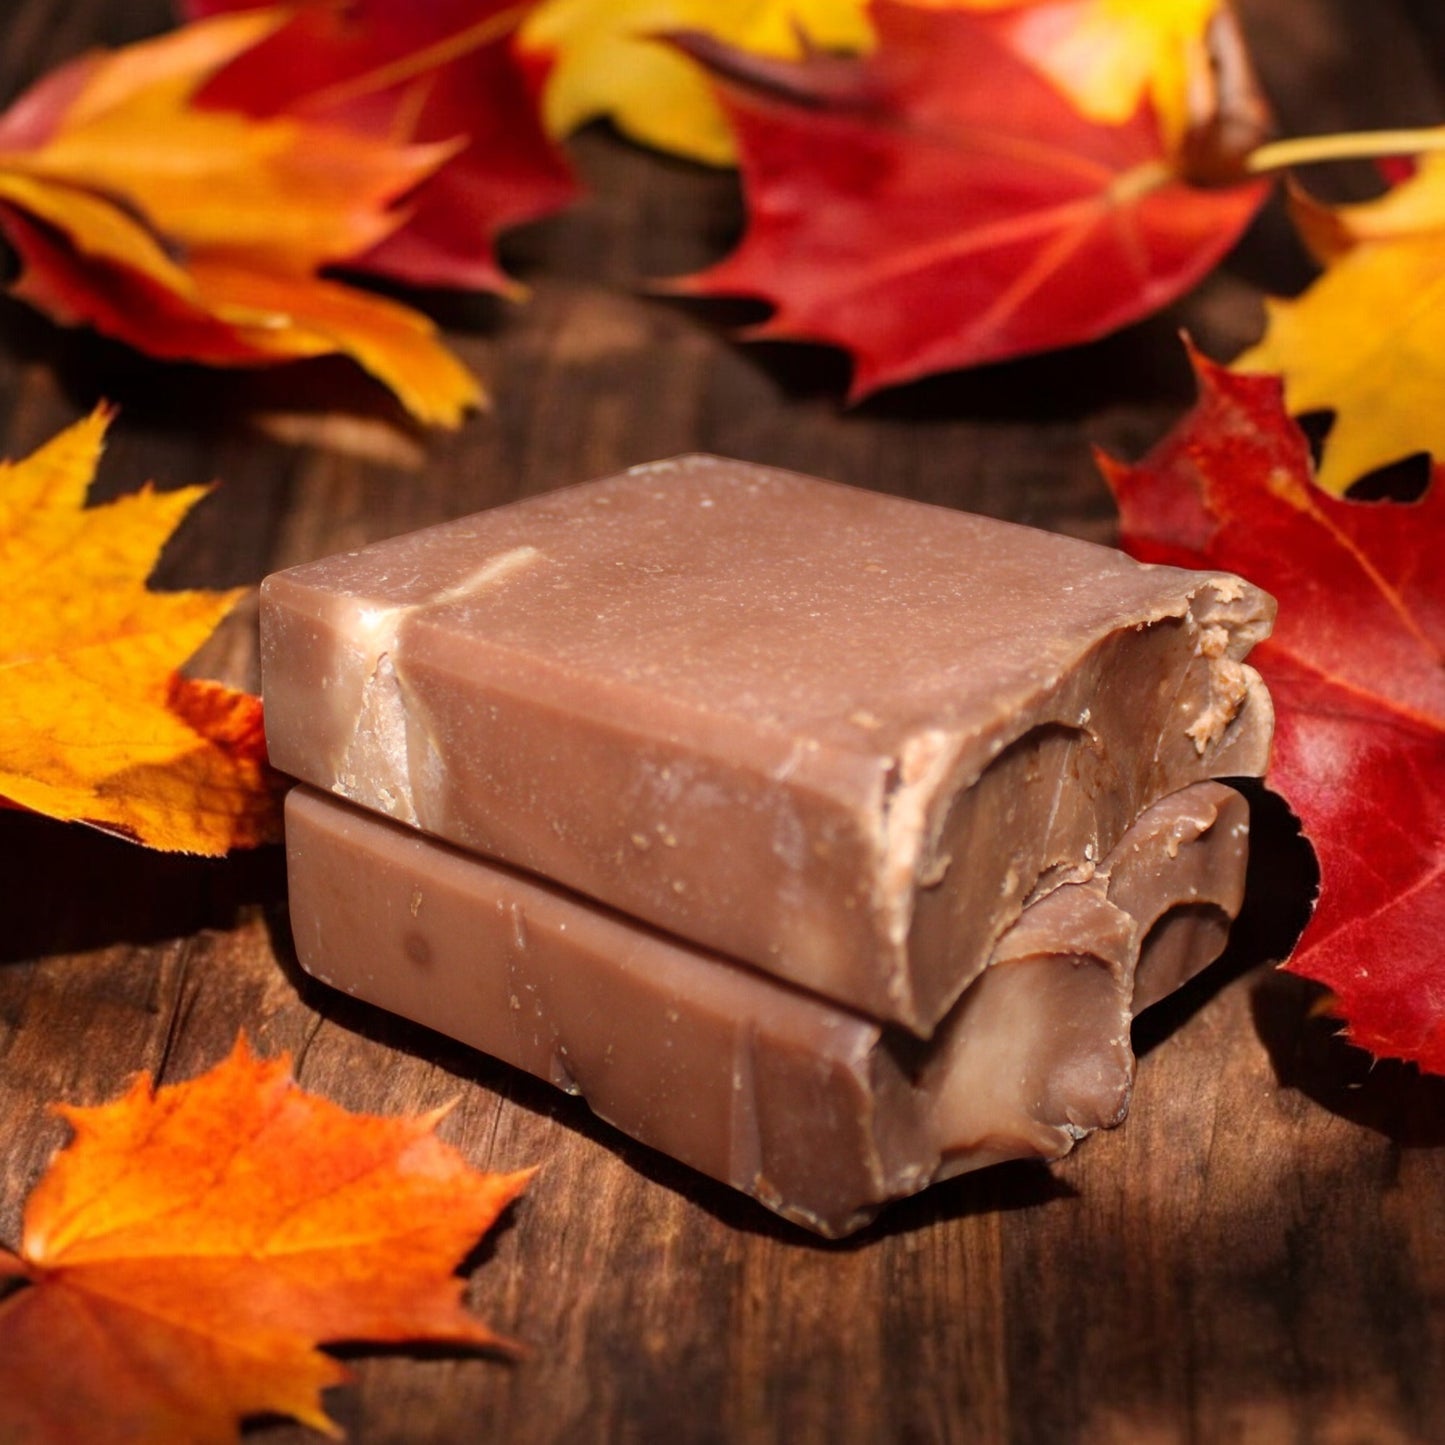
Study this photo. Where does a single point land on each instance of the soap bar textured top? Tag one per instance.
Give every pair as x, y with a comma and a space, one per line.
838, 735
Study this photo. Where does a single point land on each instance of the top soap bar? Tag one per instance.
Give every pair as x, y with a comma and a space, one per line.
839, 735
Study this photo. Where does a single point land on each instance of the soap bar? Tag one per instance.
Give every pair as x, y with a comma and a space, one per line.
841, 736
817, 1111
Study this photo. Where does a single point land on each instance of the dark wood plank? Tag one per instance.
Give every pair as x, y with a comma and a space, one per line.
1257, 1255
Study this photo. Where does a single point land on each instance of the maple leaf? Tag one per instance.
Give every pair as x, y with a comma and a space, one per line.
940, 204
443, 72
190, 1248
608, 60
199, 234
1354, 666
1367, 340
98, 726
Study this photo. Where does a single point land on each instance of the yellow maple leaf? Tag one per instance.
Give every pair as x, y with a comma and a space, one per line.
1366, 341
607, 61
185, 1254
199, 233
97, 725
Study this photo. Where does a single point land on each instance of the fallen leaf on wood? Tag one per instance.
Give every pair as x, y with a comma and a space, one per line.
1367, 340
940, 204
1354, 666
608, 59
440, 71
98, 725
200, 234
186, 1253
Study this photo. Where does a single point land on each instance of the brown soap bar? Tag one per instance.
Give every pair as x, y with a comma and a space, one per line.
835, 734
819, 1112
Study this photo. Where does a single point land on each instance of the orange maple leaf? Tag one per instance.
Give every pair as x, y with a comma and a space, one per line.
183, 1257
97, 725
200, 234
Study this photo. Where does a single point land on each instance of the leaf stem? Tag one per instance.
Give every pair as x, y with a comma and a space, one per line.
1349, 145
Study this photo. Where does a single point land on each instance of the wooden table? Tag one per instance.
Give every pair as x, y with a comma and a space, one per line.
1258, 1255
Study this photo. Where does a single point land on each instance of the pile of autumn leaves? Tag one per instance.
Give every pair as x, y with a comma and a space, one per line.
930, 184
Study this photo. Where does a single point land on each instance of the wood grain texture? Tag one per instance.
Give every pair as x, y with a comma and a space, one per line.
1257, 1255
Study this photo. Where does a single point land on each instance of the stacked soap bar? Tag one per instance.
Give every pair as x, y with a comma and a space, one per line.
835, 766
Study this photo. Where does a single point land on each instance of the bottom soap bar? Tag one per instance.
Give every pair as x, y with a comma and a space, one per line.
821, 1114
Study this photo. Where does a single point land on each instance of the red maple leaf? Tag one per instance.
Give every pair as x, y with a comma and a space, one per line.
430, 70
939, 204
1355, 669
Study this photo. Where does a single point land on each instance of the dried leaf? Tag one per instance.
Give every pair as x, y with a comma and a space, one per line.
1354, 666
442, 72
1367, 340
199, 234
98, 727
608, 60
190, 1248
925, 223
